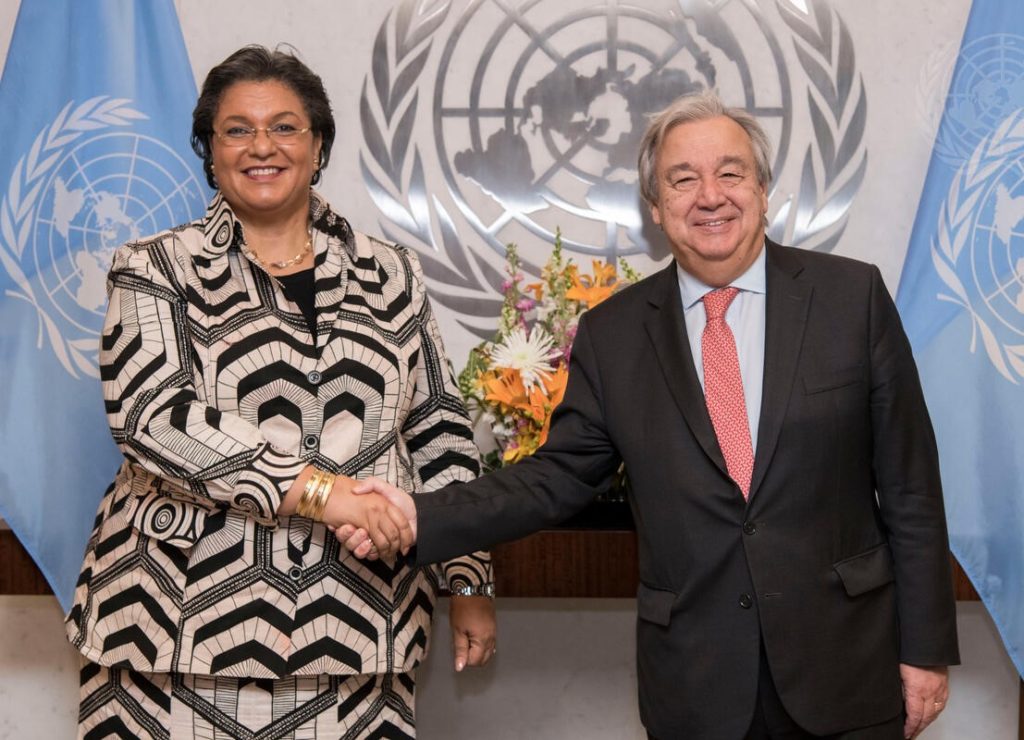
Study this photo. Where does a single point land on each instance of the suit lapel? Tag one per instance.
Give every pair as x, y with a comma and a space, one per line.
788, 299
667, 331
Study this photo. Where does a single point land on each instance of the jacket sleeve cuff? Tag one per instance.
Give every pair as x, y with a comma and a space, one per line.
263, 485
469, 572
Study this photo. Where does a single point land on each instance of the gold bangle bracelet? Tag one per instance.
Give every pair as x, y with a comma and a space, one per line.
323, 493
303, 507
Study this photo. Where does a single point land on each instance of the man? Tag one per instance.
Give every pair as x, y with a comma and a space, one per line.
794, 566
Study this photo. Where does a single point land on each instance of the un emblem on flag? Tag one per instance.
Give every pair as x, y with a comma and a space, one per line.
979, 248
88, 184
987, 86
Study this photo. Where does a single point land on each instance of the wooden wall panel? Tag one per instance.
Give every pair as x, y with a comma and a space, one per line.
18, 573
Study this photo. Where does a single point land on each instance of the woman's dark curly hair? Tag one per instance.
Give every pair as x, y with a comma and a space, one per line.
258, 64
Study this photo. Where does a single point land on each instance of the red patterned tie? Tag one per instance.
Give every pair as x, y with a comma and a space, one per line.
723, 389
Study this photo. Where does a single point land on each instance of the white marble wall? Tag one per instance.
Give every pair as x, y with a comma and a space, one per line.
564, 671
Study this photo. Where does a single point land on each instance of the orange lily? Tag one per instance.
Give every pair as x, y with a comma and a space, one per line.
506, 387
592, 290
556, 391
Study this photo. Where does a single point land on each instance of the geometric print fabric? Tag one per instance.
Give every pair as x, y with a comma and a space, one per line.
218, 395
127, 704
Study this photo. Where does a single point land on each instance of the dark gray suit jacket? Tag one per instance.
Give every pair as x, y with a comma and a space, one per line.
840, 560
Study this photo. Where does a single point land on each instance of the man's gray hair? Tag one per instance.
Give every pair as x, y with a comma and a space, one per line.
687, 109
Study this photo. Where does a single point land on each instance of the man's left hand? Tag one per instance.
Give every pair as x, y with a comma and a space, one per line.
925, 693
474, 630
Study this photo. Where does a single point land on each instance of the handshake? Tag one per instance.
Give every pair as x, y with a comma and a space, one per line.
379, 519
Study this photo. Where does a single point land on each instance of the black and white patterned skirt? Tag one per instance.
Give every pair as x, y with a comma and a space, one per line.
123, 703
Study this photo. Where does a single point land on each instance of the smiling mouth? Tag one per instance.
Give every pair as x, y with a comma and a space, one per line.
262, 171
713, 223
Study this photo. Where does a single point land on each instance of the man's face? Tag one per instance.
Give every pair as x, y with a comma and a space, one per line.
710, 203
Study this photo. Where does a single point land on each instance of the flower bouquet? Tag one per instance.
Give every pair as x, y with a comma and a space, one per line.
516, 379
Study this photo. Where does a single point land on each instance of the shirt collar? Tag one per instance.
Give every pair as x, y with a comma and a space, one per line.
222, 229
693, 290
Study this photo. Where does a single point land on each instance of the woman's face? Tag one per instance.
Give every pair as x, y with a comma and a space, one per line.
264, 179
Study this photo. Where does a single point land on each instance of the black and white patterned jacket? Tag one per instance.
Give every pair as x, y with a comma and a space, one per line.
218, 396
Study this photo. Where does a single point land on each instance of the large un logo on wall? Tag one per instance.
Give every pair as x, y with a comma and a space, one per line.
489, 123
88, 185
548, 121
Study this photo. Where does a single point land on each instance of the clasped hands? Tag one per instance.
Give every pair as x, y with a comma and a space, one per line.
374, 519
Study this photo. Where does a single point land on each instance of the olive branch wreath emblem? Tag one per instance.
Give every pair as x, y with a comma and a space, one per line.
972, 181
392, 167
400, 53
18, 208
934, 82
817, 216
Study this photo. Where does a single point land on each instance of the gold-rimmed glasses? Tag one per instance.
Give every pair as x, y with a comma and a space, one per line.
279, 133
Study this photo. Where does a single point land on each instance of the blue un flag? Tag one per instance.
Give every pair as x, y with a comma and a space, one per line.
962, 300
96, 102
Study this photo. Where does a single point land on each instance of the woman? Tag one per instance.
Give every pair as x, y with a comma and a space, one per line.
254, 363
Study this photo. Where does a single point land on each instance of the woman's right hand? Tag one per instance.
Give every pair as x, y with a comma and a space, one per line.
355, 539
387, 527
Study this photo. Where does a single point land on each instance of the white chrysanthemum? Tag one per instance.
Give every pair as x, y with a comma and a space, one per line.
529, 353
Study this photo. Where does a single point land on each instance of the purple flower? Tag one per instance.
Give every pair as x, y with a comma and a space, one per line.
525, 304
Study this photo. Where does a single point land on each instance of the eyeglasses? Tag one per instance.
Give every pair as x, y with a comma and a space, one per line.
279, 133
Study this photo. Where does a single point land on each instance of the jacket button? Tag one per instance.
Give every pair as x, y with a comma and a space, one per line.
295, 572
314, 377
310, 441
749, 528
745, 601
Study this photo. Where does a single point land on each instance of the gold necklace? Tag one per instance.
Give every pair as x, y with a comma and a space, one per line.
283, 264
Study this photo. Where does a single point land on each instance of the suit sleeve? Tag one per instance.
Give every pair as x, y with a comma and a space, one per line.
906, 470
544, 489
